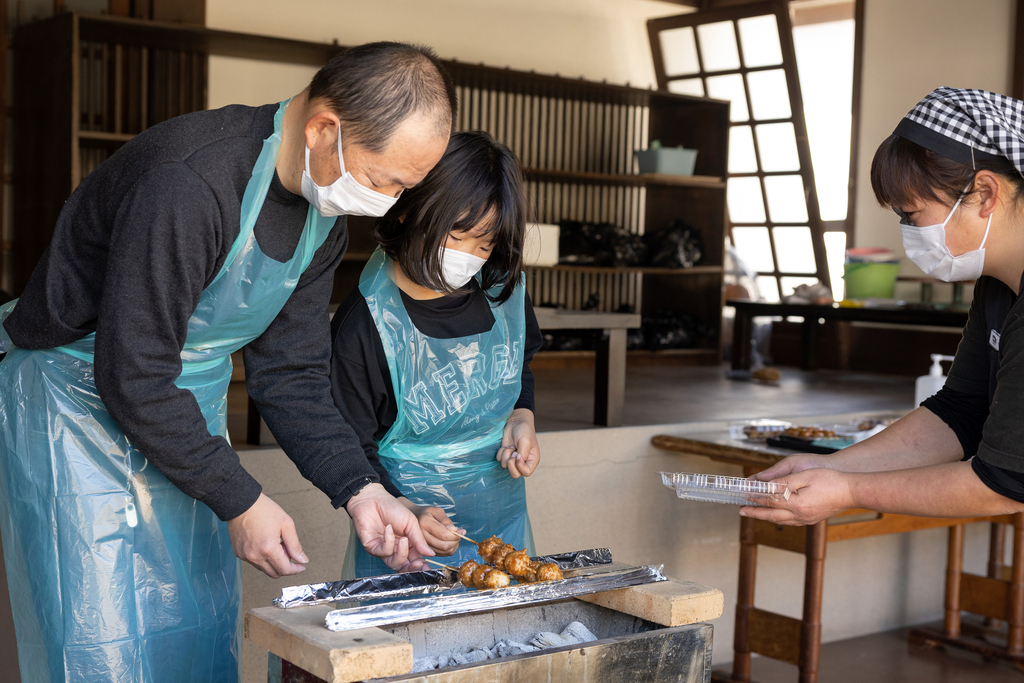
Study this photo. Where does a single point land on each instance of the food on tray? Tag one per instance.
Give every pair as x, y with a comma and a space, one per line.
505, 557
762, 429
871, 423
810, 433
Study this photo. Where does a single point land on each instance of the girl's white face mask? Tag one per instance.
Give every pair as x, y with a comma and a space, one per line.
345, 196
458, 267
926, 247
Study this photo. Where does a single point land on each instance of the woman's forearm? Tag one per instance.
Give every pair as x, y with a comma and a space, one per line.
941, 490
917, 440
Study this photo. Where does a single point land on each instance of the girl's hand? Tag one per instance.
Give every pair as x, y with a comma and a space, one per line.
519, 452
436, 527
814, 495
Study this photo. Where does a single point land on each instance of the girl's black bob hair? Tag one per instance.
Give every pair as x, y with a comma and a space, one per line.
477, 183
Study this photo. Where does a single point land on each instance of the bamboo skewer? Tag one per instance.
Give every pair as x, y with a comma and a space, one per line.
466, 538
440, 564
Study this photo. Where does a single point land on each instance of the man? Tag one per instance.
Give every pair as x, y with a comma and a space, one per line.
204, 234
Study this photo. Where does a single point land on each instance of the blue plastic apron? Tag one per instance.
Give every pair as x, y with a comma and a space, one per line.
114, 574
454, 396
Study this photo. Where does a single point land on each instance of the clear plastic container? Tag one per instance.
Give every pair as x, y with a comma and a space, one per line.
715, 488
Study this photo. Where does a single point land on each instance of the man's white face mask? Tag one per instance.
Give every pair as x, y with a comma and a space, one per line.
926, 247
345, 196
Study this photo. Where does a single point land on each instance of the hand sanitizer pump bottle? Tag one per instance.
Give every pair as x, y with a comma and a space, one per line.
928, 385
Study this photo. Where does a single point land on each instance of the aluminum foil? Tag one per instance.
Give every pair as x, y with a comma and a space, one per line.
414, 583
482, 601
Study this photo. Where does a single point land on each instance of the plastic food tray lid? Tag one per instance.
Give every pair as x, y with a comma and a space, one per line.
715, 488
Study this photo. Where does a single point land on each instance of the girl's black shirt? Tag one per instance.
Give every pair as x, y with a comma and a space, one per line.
360, 378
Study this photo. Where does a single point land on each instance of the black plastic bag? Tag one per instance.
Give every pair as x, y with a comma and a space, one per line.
677, 246
599, 244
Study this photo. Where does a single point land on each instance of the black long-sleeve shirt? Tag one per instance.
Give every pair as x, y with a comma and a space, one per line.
360, 378
983, 397
132, 251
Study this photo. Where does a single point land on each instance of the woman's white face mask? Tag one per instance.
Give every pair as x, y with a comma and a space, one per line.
926, 247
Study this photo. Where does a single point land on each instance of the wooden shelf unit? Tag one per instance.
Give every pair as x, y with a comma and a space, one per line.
108, 78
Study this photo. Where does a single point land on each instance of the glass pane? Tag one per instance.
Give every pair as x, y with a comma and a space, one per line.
777, 144
786, 201
794, 250
768, 94
741, 150
835, 254
754, 248
759, 37
746, 203
679, 50
688, 86
769, 287
824, 56
718, 46
791, 283
730, 88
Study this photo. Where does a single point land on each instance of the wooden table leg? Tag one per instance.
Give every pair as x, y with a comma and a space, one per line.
954, 567
744, 602
996, 553
253, 424
610, 378
742, 334
809, 344
814, 579
1015, 633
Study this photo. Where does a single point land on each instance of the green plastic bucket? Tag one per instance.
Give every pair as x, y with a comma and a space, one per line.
870, 280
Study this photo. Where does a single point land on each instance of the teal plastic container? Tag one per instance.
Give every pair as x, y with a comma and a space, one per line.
865, 280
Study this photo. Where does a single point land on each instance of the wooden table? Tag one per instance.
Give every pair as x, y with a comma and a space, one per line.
610, 364
311, 653
746, 311
999, 595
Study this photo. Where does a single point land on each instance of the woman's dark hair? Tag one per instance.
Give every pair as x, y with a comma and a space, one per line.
904, 172
477, 181
373, 88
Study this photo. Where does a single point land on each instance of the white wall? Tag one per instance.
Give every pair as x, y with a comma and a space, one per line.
600, 488
596, 39
912, 47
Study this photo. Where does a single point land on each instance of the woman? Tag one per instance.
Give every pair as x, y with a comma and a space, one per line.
441, 322
952, 173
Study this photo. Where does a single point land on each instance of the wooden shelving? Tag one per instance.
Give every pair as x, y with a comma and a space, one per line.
692, 270
637, 179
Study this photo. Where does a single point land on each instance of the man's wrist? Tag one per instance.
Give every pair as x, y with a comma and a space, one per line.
361, 489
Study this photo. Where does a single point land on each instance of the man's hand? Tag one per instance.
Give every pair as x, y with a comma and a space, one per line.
437, 528
388, 529
264, 536
814, 495
519, 452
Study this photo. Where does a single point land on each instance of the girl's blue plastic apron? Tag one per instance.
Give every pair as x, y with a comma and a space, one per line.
115, 574
454, 396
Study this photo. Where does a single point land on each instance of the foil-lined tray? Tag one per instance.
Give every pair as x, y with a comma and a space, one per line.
414, 583
469, 602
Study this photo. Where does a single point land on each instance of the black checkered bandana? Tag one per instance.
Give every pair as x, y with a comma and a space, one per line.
968, 126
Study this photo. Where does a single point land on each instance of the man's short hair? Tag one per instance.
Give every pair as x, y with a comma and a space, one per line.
374, 87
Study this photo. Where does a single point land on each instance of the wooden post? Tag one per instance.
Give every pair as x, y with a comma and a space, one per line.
744, 601
814, 579
954, 566
1015, 634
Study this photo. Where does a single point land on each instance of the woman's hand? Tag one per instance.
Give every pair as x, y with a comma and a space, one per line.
437, 528
814, 495
519, 452
792, 464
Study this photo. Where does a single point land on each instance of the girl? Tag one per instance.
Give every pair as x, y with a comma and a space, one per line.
430, 356
952, 173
